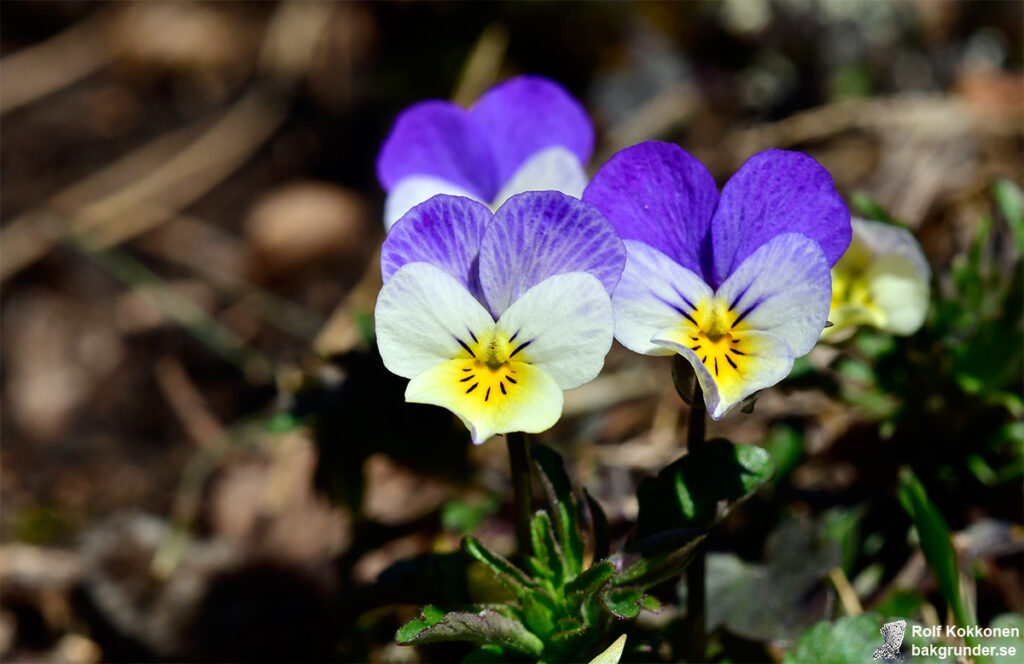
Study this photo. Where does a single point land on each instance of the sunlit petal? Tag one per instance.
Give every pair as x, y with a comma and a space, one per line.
775, 192
425, 317
564, 326
539, 234
444, 231
785, 288
513, 397
654, 293
658, 194
733, 367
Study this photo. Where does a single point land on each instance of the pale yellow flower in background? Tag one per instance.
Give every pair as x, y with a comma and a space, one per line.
881, 281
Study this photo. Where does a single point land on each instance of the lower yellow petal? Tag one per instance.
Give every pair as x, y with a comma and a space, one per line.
730, 367
515, 396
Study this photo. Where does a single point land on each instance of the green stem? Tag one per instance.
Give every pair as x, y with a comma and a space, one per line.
519, 463
696, 582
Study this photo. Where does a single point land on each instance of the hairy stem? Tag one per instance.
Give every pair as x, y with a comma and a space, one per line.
519, 463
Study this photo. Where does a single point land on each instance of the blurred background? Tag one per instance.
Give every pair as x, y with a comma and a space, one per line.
202, 456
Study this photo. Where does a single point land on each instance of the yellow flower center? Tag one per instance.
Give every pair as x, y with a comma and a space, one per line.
489, 364
852, 302
712, 331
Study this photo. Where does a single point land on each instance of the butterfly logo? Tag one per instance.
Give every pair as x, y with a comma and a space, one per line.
892, 634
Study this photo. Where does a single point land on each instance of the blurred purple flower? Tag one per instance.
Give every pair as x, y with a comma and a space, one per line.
737, 283
492, 315
526, 134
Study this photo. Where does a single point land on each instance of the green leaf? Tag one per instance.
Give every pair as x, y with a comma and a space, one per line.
701, 488
848, 640
843, 527
568, 628
901, 603
650, 603
624, 603
853, 639
563, 504
283, 422
590, 579
656, 559
488, 654
1007, 621
779, 599
599, 522
547, 556
863, 204
613, 654
510, 576
488, 627
785, 444
463, 516
936, 543
430, 616
1010, 200
540, 613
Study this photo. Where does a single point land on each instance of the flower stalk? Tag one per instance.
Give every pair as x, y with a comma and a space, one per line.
519, 464
696, 598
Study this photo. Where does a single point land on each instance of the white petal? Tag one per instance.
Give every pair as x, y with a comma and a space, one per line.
422, 312
552, 169
899, 292
489, 404
764, 360
883, 239
653, 294
785, 288
564, 326
413, 190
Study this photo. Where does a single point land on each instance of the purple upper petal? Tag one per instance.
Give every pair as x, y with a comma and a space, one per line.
529, 113
445, 231
658, 194
438, 138
539, 234
776, 192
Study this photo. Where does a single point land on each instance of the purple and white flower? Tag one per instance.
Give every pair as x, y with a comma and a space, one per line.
492, 316
526, 134
737, 283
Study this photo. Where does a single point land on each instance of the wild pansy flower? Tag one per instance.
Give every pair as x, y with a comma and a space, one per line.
737, 283
881, 280
492, 315
526, 134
